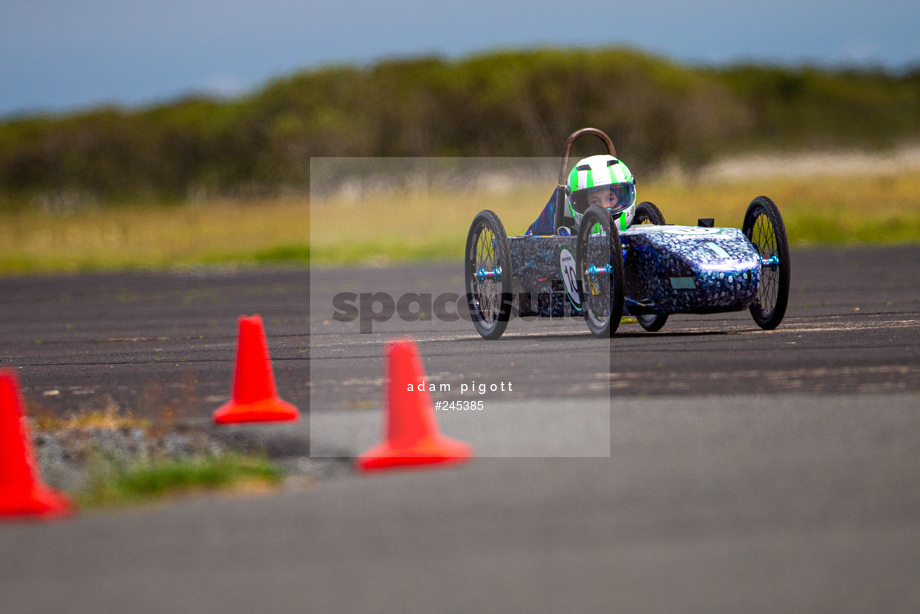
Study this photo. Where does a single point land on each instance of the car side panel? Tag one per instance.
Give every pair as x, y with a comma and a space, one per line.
539, 289
688, 269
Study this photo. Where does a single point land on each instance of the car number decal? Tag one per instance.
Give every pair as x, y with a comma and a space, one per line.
569, 275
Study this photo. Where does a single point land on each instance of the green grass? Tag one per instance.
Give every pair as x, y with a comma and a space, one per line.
113, 483
421, 226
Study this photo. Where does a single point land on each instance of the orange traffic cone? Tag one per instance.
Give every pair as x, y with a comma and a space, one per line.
412, 435
254, 397
22, 493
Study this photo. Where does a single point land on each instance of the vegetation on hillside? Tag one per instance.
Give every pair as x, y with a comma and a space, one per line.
497, 104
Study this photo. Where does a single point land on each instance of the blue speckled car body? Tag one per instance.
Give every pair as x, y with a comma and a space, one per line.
667, 269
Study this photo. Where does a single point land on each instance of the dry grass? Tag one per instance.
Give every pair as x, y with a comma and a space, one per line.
881, 208
404, 226
151, 236
106, 417
884, 208
831, 209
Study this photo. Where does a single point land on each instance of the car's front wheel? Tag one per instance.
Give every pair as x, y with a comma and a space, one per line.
764, 228
599, 265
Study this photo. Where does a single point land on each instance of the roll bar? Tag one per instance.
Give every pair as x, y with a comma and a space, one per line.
560, 188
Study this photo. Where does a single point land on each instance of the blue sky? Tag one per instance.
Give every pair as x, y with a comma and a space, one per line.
59, 55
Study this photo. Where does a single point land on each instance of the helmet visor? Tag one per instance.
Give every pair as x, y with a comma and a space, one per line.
615, 198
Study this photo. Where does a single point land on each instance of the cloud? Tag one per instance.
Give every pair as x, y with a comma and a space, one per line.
224, 85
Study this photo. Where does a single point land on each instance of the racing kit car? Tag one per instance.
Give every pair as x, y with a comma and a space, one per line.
647, 270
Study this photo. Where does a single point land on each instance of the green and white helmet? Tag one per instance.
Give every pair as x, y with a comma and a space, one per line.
606, 181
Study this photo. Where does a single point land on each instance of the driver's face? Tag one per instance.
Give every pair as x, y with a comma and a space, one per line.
603, 198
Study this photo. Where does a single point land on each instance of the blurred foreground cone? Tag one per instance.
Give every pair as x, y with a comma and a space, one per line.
412, 435
22, 493
254, 397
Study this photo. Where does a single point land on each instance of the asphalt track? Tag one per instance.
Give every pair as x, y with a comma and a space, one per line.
163, 344
747, 470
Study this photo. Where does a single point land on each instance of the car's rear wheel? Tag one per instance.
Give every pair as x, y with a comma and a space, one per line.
599, 264
488, 275
648, 213
764, 228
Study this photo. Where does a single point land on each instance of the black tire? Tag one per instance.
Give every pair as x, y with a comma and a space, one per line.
763, 226
599, 263
488, 275
652, 322
648, 213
